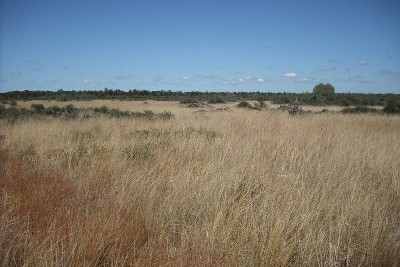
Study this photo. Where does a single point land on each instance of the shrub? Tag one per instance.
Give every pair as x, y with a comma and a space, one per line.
244, 104
39, 108
103, 110
260, 104
392, 108
360, 109
216, 100
13, 103
165, 115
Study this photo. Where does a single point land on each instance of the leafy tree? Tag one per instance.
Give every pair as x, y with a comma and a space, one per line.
324, 91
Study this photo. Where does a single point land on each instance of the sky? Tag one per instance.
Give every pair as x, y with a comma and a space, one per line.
267, 46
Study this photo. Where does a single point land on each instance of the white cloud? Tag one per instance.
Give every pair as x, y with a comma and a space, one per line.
363, 62
261, 80
306, 79
185, 78
290, 75
86, 82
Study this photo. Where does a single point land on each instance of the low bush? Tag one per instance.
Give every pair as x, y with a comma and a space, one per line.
360, 109
244, 104
392, 108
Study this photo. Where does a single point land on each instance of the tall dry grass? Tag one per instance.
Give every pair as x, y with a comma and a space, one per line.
205, 189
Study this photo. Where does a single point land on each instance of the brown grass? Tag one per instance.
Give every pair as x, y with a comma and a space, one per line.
205, 189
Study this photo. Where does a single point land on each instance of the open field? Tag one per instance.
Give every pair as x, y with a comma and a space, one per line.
239, 188
157, 106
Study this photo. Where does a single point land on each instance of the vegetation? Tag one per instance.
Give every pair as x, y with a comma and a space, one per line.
227, 189
360, 109
321, 95
259, 105
12, 113
392, 108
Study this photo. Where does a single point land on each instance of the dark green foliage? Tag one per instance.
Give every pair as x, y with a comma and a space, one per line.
103, 110
38, 108
392, 108
324, 92
13, 103
260, 104
147, 114
314, 98
165, 115
216, 100
244, 104
188, 100
360, 109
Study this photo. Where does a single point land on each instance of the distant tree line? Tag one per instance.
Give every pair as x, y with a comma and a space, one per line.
323, 95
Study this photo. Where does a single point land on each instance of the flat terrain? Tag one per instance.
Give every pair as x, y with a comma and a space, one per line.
232, 188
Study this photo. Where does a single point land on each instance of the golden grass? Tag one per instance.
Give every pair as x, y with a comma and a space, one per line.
236, 188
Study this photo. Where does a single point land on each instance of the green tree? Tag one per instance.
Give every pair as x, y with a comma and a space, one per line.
324, 92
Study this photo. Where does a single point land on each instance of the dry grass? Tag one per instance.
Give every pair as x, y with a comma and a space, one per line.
204, 189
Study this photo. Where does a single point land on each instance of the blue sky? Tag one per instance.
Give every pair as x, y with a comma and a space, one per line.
200, 45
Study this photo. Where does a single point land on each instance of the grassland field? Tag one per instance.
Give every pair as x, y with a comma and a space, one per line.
235, 188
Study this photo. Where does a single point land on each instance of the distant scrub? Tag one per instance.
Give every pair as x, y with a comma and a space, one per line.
147, 114
392, 108
259, 105
13, 113
360, 109
322, 95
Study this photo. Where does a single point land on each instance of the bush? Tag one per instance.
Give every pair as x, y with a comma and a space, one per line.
244, 104
216, 100
165, 115
39, 108
360, 109
392, 108
13, 103
260, 104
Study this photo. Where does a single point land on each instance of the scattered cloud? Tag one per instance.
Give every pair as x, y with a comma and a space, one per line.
261, 80
158, 79
327, 69
37, 69
3, 81
394, 75
16, 73
105, 82
86, 82
363, 63
120, 77
185, 78
389, 72
33, 61
267, 46
290, 75
306, 79
219, 67
51, 82
66, 67
333, 60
